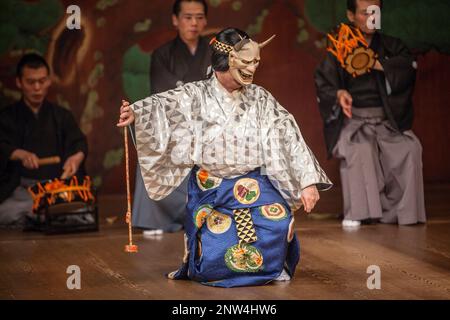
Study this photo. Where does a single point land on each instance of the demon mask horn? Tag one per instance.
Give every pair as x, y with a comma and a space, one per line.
265, 43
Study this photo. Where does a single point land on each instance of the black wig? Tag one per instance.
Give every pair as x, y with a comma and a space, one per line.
229, 36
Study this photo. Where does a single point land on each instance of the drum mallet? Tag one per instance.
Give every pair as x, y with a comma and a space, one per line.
49, 160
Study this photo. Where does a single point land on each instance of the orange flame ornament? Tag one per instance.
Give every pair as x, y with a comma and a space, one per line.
351, 50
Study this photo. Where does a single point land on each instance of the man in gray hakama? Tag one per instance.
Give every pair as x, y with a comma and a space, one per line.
367, 125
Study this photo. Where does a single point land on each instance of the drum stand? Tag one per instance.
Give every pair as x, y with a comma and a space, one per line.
66, 218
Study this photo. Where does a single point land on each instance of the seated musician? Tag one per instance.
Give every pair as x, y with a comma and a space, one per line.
33, 130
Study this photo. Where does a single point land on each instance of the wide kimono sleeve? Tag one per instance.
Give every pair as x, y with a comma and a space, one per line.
399, 66
73, 138
289, 162
9, 136
163, 126
9, 141
398, 82
328, 80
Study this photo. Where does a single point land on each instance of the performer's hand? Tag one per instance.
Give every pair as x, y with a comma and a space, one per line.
29, 160
309, 198
345, 100
126, 114
72, 164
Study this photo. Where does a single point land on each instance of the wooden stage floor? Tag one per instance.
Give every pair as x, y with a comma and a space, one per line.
414, 260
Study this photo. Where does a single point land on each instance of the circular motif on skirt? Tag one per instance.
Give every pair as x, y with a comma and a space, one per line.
291, 231
243, 258
246, 190
201, 214
205, 181
273, 211
218, 222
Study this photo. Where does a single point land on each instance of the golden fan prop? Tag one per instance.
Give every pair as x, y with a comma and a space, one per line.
130, 247
351, 50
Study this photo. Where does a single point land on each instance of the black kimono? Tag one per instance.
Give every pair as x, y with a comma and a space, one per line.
171, 66
381, 167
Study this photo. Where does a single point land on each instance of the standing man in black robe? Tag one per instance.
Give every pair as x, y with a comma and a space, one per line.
31, 129
367, 125
184, 59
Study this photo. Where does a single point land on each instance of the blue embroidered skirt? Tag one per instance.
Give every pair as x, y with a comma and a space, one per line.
239, 232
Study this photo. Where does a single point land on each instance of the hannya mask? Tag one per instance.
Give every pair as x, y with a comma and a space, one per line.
244, 59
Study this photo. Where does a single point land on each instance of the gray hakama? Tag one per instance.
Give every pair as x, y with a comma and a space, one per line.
381, 170
167, 214
15, 209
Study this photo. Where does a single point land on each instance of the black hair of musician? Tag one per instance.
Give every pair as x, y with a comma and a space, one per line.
351, 5
176, 8
33, 61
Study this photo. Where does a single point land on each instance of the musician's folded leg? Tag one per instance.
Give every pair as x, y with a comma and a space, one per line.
15, 209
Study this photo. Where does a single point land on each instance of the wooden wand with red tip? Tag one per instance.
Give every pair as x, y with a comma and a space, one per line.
130, 247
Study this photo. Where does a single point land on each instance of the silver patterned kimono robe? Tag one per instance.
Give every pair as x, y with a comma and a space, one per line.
226, 134
238, 229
